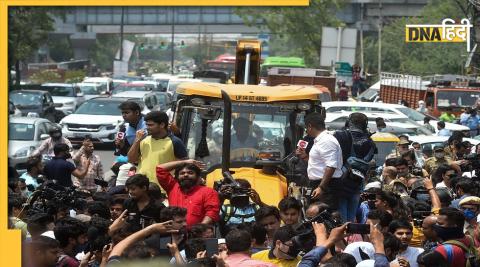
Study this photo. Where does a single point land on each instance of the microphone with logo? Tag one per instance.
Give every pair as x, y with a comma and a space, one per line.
120, 136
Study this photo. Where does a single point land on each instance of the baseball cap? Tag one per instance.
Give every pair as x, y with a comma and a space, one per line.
438, 147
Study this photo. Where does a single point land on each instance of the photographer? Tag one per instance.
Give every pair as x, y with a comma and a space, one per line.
357, 150
233, 215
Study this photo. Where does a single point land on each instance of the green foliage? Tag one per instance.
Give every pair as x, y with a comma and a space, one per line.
60, 49
296, 31
74, 76
46, 76
28, 28
103, 52
418, 58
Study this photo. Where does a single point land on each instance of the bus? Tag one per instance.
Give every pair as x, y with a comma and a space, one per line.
287, 62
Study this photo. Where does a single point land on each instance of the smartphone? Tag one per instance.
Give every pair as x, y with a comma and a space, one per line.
212, 246
358, 228
164, 241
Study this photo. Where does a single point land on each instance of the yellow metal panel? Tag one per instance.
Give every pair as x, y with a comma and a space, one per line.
271, 188
251, 93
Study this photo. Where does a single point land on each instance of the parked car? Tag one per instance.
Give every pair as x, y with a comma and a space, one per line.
372, 94
98, 117
13, 111
431, 141
66, 96
338, 106
164, 101
139, 87
34, 102
24, 135
146, 99
397, 122
107, 82
92, 90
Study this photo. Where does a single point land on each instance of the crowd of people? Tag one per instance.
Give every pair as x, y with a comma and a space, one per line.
417, 209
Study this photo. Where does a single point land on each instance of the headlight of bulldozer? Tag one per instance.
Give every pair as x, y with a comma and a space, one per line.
304, 106
198, 101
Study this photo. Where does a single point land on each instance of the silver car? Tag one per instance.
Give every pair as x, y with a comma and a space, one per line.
67, 97
24, 135
100, 118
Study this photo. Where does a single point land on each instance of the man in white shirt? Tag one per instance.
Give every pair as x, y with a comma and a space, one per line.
403, 231
324, 162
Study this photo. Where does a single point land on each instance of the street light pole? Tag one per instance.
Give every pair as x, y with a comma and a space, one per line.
121, 34
173, 41
380, 22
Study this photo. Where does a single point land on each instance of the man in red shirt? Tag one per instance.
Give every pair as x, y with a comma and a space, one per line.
202, 203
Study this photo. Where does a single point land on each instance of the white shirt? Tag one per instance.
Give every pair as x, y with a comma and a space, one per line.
411, 254
325, 152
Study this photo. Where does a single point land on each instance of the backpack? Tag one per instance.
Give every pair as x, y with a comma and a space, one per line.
355, 169
471, 253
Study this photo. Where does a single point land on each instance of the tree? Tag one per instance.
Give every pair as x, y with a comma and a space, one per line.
28, 28
419, 58
60, 49
296, 31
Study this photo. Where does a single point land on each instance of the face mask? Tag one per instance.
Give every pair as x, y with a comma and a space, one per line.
439, 155
469, 214
448, 233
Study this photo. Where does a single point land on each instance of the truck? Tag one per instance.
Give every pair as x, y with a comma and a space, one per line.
319, 78
440, 92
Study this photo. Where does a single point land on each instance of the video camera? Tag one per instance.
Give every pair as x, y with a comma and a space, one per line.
50, 196
239, 197
473, 163
419, 216
305, 239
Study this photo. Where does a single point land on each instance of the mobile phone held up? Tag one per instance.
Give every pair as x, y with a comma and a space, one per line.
358, 228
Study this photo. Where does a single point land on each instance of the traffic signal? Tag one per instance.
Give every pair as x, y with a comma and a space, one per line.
141, 47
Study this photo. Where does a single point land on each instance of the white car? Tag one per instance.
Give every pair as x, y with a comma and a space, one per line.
391, 120
98, 117
107, 82
147, 99
24, 135
92, 90
382, 108
431, 141
67, 97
